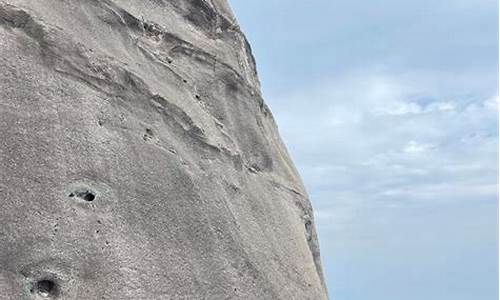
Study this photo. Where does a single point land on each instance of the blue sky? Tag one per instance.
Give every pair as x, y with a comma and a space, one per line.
389, 110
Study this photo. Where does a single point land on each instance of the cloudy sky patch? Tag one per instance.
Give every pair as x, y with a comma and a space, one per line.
389, 110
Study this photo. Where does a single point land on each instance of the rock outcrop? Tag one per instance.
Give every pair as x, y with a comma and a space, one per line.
138, 159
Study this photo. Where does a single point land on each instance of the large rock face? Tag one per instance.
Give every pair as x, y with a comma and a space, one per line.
139, 161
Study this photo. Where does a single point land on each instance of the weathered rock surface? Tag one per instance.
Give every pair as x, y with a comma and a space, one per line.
139, 161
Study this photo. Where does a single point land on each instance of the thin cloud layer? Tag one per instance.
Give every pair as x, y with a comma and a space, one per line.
379, 154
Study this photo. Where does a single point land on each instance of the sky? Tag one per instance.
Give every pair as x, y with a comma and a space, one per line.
389, 111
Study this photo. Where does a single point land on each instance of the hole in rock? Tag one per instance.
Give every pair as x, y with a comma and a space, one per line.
148, 135
85, 195
47, 288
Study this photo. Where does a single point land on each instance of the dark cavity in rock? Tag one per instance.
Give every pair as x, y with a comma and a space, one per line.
148, 135
46, 288
85, 195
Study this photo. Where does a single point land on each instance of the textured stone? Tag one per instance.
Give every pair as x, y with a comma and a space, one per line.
138, 159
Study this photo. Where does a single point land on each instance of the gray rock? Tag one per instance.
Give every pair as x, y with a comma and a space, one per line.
138, 159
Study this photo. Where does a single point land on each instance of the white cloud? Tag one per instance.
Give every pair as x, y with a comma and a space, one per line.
364, 135
447, 106
492, 103
399, 108
415, 147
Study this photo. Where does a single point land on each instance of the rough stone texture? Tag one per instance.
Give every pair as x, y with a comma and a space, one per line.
139, 161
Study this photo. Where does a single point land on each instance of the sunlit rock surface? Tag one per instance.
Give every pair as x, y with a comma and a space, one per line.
139, 161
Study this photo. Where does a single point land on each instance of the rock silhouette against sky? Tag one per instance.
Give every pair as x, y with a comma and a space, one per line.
138, 159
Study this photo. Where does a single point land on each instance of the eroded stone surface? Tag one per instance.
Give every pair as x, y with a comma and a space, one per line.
139, 161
